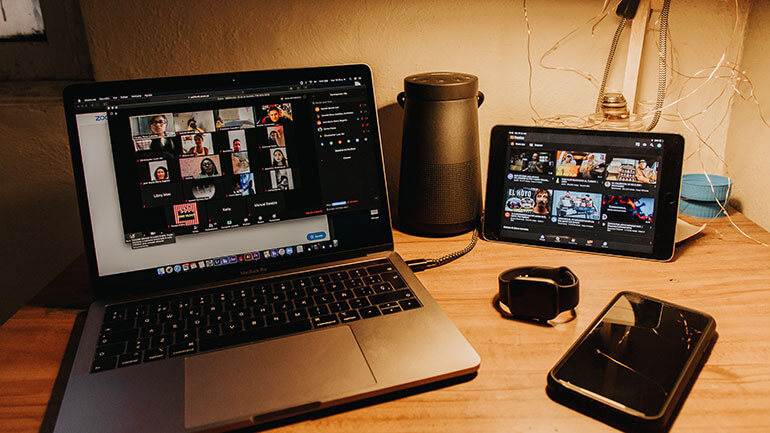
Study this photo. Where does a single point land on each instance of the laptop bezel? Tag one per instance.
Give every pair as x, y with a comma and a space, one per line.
129, 283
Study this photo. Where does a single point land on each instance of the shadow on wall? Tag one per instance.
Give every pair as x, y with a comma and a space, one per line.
391, 125
39, 224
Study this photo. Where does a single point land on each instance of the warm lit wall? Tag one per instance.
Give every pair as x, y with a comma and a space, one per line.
141, 38
748, 154
486, 38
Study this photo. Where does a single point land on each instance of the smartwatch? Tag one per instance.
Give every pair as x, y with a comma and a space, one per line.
538, 293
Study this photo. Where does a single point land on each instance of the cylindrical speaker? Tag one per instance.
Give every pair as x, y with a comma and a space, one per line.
440, 187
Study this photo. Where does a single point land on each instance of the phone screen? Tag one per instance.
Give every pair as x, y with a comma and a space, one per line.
635, 353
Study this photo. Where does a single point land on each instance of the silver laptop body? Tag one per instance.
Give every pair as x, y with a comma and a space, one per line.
240, 249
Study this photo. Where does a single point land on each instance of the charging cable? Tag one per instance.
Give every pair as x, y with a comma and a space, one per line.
418, 265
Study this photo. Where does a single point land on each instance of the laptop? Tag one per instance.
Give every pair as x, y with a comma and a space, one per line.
240, 250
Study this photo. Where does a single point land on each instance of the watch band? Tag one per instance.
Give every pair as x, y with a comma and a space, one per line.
538, 292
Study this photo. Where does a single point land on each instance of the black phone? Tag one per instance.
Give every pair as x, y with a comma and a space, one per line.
635, 363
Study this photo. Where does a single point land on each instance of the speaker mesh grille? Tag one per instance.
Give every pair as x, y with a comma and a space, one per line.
441, 193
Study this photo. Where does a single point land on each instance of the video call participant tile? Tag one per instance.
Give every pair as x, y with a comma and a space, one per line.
278, 158
276, 136
155, 148
203, 189
240, 162
229, 118
242, 185
198, 144
159, 171
236, 141
161, 194
231, 211
186, 214
186, 218
152, 125
200, 167
194, 122
279, 180
277, 114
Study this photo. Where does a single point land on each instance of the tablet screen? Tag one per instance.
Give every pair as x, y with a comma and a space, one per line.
601, 191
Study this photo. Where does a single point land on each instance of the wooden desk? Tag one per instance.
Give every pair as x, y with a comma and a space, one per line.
720, 272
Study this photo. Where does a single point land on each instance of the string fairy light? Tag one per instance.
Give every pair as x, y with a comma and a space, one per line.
726, 71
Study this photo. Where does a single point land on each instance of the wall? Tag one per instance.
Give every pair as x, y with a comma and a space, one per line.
487, 38
39, 222
63, 55
747, 154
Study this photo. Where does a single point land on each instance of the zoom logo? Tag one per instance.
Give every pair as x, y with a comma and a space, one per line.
100, 117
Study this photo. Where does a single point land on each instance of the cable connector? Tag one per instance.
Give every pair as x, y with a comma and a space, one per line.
418, 265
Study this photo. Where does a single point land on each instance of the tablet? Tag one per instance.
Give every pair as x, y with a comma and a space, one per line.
612, 192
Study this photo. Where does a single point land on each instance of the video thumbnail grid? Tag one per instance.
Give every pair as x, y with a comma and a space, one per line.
580, 189
215, 166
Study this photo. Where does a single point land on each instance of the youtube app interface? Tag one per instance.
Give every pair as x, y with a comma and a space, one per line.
591, 191
214, 178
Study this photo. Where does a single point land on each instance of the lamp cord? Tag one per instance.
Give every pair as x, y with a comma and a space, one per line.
610, 57
662, 53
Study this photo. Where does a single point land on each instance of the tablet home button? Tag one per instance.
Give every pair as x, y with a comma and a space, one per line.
670, 198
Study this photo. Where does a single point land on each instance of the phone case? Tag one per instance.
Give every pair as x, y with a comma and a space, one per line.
615, 414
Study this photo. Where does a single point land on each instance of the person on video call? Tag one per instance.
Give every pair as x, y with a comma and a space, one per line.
541, 202
158, 125
157, 150
276, 138
192, 125
236, 145
198, 149
240, 163
208, 169
161, 173
279, 159
278, 116
283, 182
245, 186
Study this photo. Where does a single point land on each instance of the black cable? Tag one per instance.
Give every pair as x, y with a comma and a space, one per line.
418, 265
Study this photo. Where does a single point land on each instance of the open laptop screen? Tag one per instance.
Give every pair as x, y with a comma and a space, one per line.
229, 173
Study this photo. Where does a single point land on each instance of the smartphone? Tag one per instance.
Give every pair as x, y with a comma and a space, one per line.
635, 363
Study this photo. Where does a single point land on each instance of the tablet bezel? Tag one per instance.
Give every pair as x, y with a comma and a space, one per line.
667, 199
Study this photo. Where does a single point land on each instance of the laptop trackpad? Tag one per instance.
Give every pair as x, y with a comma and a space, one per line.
277, 375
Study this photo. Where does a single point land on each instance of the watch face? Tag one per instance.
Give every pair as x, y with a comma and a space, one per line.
534, 297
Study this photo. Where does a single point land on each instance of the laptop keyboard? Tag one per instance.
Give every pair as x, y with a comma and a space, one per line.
160, 328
